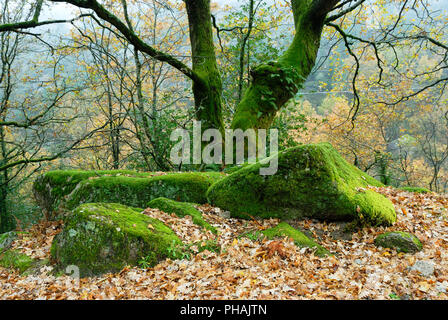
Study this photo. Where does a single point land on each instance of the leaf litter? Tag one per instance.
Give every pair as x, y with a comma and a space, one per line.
262, 269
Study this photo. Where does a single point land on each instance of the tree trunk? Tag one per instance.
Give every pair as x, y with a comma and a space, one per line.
208, 94
274, 83
244, 43
6, 223
114, 134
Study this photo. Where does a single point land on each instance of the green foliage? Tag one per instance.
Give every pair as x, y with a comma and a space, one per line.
312, 181
146, 262
259, 47
254, 236
296, 116
394, 296
25, 212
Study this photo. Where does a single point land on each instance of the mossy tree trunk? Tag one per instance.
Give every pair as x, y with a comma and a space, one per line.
6, 223
275, 82
208, 92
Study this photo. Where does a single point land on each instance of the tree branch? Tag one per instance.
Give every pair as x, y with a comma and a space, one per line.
130, 35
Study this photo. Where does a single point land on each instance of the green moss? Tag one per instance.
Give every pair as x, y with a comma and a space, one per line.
415, 189
136, 192
181, 209
15, 260
274, 83
285, 230
105, 237
210, 245
60, 190
51, 188
401, 241
312, 181
300, 239
235, 168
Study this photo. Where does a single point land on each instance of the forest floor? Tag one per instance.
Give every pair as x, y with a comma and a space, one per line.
253, 269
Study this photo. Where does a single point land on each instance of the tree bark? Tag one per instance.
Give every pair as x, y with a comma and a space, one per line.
5, 220
208, 92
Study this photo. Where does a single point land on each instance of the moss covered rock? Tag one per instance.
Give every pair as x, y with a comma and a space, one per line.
58, 191
312, 181
105, 237
181, 209
401, 241
13, 259
6, 239
51, 188
136, 192
300, 239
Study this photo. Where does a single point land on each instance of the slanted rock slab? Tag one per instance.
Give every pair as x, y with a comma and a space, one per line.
300, 239
312, 181
51, 188
61, 191
401, 241
6, 239
105, 237
181, 209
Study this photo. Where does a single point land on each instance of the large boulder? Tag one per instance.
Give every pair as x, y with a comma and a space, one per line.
50, 189
105, 237
312, 181
62, 191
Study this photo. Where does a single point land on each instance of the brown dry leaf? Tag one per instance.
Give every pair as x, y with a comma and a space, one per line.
259, 269
276, 247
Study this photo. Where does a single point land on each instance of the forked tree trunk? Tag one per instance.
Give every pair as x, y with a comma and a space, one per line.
274, 83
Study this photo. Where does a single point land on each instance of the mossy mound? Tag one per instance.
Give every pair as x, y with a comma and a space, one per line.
181, 209
401, 241
415, 189
136, 192
300, 239
105, 237
64, 190
285, 230
312, 181
13, 259
51, 188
